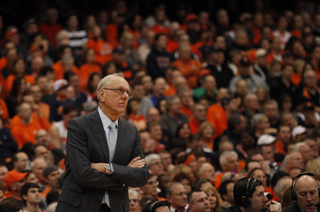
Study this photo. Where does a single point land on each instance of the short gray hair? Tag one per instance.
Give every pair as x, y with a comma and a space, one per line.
224, 155
133, 192
281, 185
150, 158
170, 186
297, 146
256, 119
105, 82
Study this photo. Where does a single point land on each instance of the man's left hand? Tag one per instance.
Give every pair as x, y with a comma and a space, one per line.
274, 206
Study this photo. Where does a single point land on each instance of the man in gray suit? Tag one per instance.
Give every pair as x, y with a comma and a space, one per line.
104, 155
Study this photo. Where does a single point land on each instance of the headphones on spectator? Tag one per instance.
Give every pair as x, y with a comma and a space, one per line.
246, 202
153, 205
294, 181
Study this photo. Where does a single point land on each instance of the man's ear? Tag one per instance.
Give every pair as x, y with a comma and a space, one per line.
101, 95
25, 197
168, 197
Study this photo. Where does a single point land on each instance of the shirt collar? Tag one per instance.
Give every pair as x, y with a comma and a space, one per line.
106, 121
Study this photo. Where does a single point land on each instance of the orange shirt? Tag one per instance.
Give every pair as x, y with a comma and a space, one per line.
26, 133
84, 73
186, 111
257, 34
217, 183
189, 70
203, 43
279, 147
194, 126
46, 191
111, 34
172, 45
252, 55
160, 29
218, 117
9, 81
102, 49
296, 79
3, 63
4, 108
170, 90
58, 70
139, 122
296, 33
45, 110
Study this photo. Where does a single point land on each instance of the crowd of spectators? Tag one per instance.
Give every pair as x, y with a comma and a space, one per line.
214, 99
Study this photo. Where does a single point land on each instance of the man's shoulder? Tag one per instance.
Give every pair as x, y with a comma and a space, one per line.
86, 118
292, 208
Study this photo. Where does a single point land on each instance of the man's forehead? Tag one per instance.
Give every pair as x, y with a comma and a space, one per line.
259, 189
117, 79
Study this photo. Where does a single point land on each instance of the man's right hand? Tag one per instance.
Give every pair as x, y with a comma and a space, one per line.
137, 163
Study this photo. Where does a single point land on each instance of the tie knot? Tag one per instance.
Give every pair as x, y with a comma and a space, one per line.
112, 126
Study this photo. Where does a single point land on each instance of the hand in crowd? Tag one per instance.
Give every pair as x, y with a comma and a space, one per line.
274, 206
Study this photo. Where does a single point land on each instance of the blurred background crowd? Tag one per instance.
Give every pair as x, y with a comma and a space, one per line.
220, 90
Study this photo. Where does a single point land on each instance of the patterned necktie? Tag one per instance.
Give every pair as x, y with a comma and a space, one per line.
112, 140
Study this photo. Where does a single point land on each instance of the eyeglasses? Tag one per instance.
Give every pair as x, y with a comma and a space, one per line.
119, 91
156, 163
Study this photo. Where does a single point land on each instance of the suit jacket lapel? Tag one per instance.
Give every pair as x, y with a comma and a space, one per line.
99, 132
121, 140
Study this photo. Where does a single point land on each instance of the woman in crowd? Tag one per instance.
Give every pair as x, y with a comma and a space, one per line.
182, 136
135, 118
93, 82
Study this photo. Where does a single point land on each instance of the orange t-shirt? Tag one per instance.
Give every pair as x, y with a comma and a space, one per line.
186, 111
279, 147
194, 126
252, 55
139, 122
58, 70
102, 49
218, 117
257, 34
111, 34
4, 108
296, 33
46, 191
84, 73
217, 183
172, 45
26, 133
189, 70
3, 63
9, 81
160, 29
170, 90
296, 79
45, 110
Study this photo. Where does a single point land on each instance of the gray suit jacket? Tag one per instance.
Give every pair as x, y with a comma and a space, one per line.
83, 187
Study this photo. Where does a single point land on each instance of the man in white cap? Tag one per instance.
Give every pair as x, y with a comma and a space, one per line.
299, 133
266, 142
60, 100
261, 66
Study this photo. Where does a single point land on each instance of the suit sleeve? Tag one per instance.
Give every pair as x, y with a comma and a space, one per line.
79, 161
133, 177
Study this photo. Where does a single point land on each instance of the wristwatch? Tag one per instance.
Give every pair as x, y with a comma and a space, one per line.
108, 169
